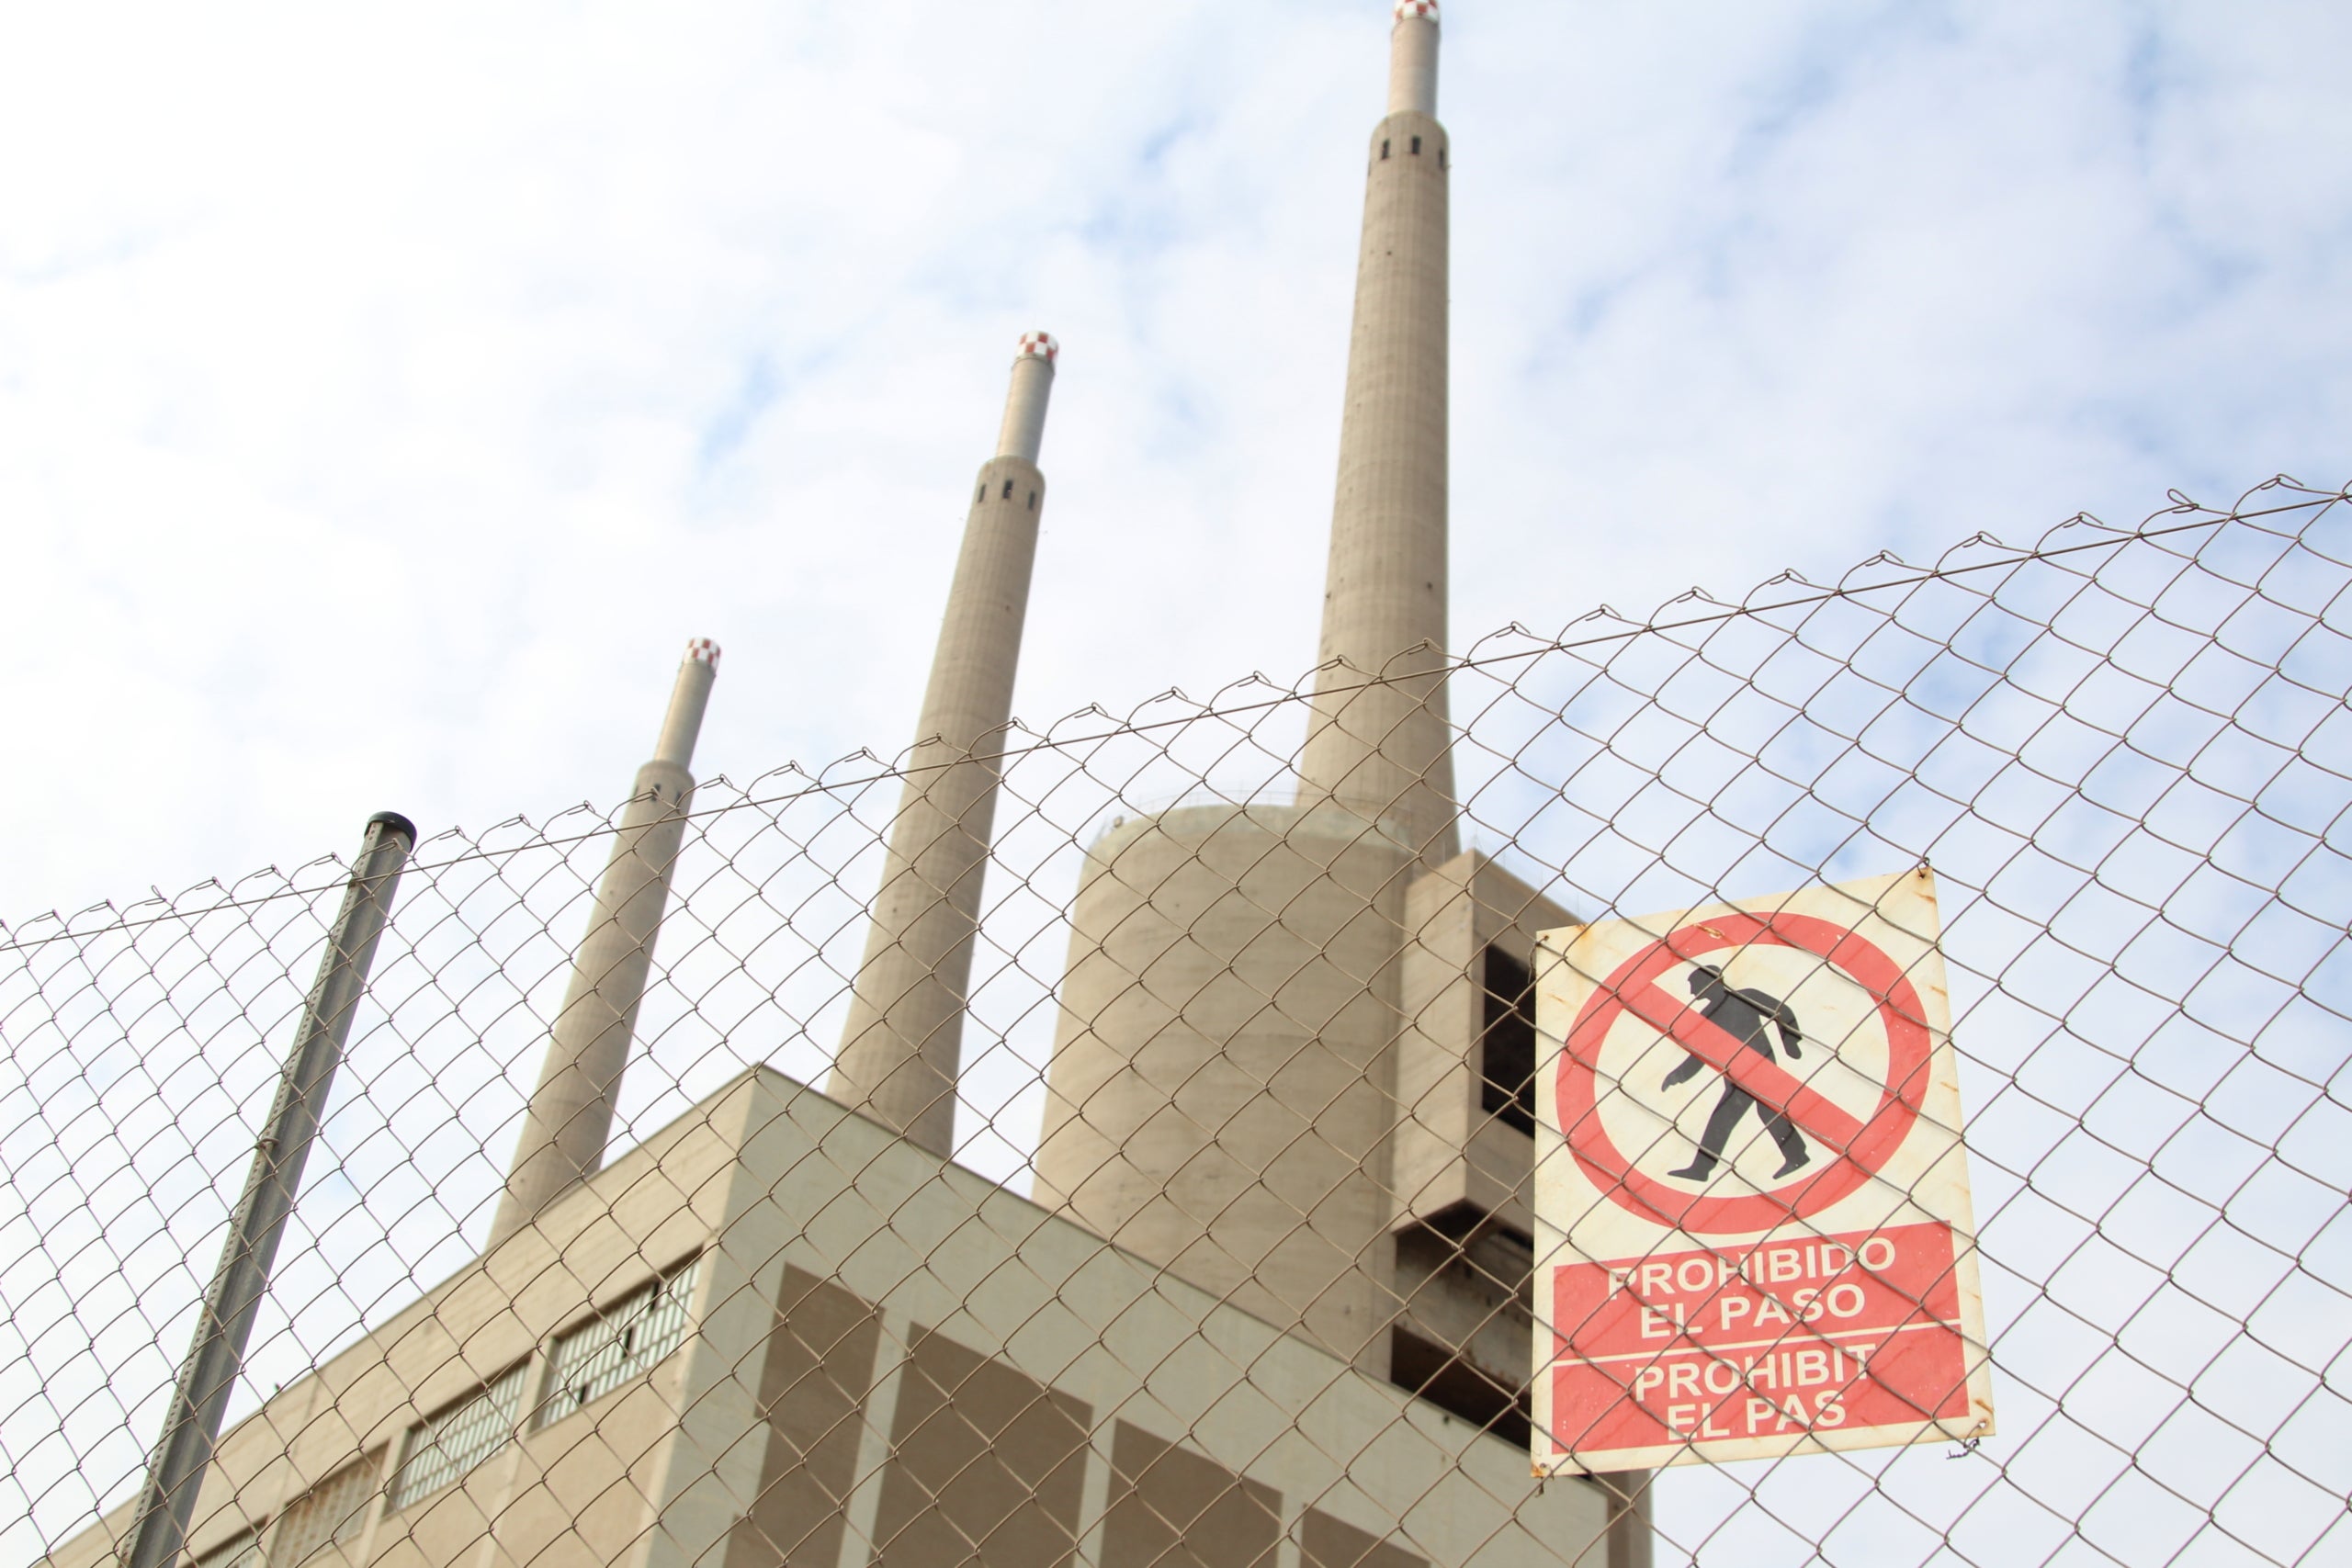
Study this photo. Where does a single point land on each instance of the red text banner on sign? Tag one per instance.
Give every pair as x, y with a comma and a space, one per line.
1846, 1332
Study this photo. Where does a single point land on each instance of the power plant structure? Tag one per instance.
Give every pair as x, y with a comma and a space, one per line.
1278, 1069
903, 1046
570, 1118
1272, 1299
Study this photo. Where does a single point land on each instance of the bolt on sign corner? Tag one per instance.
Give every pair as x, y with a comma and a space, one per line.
1753, 1234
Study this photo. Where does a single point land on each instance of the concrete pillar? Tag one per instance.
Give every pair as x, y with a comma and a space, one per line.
904, 1043
571, 1115
1381, 748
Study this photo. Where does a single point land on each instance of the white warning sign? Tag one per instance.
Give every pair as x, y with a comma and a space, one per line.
1753, 1233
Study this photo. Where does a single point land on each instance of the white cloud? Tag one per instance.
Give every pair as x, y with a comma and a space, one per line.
386, 399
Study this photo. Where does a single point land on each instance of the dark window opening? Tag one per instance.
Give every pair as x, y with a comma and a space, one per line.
979, 494
1458, 1387
1441, 157
1384, 147
1417, 146
1007, 490
1506, 1040
1033, 501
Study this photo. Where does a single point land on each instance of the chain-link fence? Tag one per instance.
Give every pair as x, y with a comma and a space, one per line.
768, 1332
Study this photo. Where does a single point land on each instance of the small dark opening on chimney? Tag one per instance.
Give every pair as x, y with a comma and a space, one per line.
1007, 490
1507, 1060
1033, 501
1441, 157
979, 493
1384, 147
1417, 146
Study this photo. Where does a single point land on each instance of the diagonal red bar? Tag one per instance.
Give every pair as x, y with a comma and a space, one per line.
1773, 1085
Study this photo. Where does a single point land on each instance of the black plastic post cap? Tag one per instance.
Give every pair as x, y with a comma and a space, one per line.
396, 822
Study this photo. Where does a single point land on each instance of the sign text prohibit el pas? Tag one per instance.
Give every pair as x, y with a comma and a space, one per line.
1753, 1234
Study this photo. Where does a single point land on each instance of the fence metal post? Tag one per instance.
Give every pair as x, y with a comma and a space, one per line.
1632, 1495
176, 1474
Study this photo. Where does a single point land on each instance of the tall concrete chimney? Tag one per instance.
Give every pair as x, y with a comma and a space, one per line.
1221, 1094
1381, 748
904, 1041
572, 1111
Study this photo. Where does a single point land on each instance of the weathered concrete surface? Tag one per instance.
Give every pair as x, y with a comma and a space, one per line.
1381, 748
841, 1269
902, 1047
1220, 1093
571, 1115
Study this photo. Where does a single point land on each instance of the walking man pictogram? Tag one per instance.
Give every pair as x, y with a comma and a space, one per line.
1749, 1017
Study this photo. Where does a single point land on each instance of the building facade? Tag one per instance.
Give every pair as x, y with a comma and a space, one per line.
778, 1333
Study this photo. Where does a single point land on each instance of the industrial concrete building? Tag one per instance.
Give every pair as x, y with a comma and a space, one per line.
777, 1333
1270, 1305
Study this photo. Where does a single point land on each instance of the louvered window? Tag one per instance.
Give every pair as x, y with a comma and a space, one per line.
438, 1451
242, 1553
625, 1339
333, 1510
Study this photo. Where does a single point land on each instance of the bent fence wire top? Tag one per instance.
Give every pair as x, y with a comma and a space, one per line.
2125, 752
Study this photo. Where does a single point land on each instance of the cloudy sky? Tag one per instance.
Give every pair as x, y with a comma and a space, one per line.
385, 396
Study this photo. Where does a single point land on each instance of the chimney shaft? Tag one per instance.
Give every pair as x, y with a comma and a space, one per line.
682, 724
1412, 60
571, 1115
903, 1045
1024, 434
1378, 737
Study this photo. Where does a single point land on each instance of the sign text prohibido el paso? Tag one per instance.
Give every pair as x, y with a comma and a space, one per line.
1751, 1193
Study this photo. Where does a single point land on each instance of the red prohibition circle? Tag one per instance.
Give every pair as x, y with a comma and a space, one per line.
1909, 1050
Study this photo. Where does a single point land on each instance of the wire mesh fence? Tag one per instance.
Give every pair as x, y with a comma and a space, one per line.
1283, 1065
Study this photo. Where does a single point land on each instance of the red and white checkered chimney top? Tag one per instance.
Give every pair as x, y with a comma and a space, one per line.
1426, 9
702, 650
1039, 345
